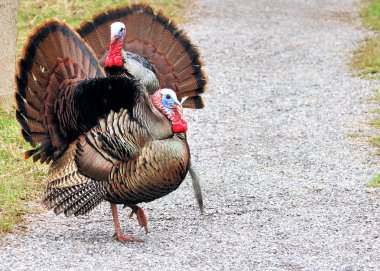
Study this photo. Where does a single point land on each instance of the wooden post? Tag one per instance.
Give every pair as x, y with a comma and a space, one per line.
8, 36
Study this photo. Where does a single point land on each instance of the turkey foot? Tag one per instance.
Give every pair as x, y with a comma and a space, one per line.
141, 217
118, 235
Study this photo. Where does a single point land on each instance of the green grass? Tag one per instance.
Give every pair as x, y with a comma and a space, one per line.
366, 60
375, 182
353, 135
22, 181
371, 14
34, 12
366, 63
375, 140
375, 97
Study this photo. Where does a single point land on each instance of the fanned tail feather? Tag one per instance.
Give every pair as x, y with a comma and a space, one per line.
75, 200
155, 37
53, 53
69, 191
194, 102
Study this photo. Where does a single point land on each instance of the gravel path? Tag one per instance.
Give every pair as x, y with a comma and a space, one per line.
283, 182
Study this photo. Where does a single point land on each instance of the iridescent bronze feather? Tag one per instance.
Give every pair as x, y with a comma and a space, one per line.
156, 52
107, 138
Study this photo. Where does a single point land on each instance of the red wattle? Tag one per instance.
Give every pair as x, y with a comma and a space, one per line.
114, 56
180, 127
112, 61
178, 124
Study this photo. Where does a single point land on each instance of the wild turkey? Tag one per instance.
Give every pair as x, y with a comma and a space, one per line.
106, 137
151, 47
154, 50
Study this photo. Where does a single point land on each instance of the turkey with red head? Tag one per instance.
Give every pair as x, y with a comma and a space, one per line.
106, 137
140, 41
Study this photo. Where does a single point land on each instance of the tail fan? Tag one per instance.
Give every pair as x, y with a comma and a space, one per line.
154, 36
53, 53
70, 192
194, 102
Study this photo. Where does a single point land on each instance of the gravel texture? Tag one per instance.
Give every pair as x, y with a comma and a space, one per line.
283, 181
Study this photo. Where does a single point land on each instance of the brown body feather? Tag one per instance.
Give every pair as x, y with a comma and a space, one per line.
105, 137
174, 61
138, 167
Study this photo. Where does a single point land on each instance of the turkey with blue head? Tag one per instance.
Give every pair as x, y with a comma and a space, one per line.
135, 40
105, 136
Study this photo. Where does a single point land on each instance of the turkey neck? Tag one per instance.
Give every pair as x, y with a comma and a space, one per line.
150, 117
116, 47
173, 114
114, 57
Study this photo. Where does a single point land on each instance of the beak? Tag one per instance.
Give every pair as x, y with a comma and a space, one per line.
119, 35
178, 105
177, 102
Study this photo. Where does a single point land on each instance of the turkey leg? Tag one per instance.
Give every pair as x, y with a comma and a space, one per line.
141, 217
118, 232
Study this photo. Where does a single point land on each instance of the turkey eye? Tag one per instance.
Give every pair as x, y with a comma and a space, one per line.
168, 96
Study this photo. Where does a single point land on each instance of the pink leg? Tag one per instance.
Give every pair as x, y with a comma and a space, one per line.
118, 232
141, 217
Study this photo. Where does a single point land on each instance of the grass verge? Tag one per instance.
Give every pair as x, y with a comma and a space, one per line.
20, 180
375, 182
366, 62
34, 12
370, 14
